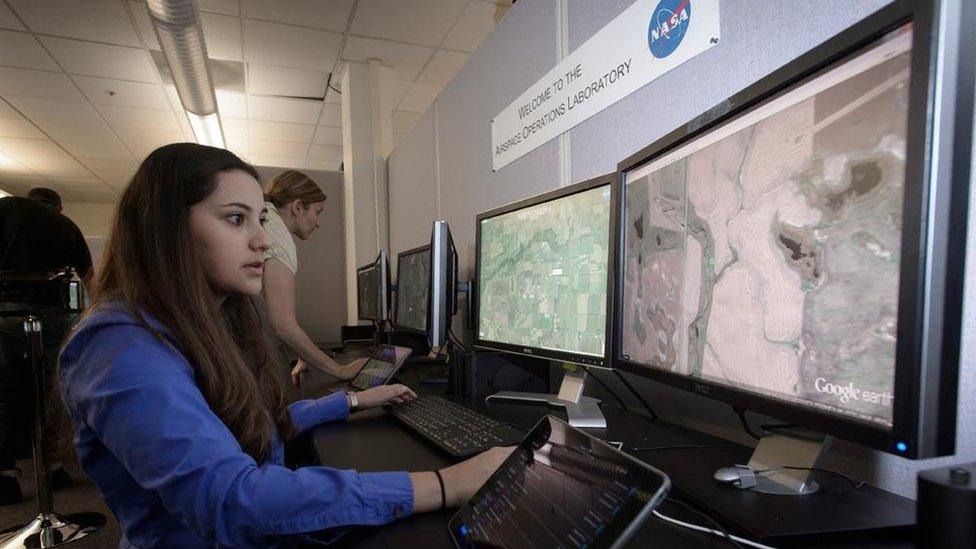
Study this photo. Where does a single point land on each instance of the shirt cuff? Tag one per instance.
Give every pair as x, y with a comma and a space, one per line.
309, 413
386, 496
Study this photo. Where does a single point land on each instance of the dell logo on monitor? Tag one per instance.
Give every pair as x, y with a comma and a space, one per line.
527, 351
702, 388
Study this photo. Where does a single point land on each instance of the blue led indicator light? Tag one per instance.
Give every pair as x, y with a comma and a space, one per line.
901, 446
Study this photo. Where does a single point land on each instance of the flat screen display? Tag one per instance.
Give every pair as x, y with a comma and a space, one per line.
413, 288
764, 254
560, 488
543, 274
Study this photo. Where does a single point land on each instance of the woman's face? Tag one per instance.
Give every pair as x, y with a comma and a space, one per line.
227, 232
307, 219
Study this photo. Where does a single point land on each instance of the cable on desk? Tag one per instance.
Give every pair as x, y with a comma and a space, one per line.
454, 338
680, 447
706, 516
733, 539
636, 394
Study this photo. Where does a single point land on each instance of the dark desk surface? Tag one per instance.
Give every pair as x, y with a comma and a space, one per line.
371, 441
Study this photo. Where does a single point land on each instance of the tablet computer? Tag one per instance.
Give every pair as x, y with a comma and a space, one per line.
380, 368
560, 488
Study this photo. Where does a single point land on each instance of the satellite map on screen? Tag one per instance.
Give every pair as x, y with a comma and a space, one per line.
543, 279
764, 255
367, 288
413, 280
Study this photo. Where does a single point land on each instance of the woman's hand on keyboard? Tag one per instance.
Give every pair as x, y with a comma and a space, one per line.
385, 394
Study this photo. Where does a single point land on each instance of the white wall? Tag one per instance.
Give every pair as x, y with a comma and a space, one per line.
94, 220
757, 38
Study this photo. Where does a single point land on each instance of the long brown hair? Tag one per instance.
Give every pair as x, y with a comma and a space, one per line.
150, 267
291, 185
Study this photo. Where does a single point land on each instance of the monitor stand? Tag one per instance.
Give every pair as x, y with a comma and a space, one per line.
799, 449
581, 411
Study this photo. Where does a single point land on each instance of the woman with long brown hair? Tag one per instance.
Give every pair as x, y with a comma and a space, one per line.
294, 204
167, 379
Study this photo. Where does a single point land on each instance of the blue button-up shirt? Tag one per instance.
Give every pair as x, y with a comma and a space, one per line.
173, 473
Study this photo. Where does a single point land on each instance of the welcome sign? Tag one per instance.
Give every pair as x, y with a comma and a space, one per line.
647, 40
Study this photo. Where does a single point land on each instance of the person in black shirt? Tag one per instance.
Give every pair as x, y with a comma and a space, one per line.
34, 236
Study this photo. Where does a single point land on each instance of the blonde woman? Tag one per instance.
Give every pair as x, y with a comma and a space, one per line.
294, 204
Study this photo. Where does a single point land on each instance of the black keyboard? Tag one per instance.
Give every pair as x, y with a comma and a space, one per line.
457, 430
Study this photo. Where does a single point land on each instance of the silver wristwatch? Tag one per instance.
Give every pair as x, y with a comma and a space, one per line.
352, 401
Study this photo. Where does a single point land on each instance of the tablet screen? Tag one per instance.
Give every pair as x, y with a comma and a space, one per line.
560, 488
380, 367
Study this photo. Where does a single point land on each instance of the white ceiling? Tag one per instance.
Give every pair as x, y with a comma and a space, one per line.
81, 101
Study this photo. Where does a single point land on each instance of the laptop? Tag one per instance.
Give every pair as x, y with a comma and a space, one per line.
380, 368
561, 488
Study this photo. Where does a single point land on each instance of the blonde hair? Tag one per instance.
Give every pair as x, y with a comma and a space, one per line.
291, 185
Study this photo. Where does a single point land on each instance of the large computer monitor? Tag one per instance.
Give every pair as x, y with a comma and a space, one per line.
372, 286
413, 290
544, 285
802, 254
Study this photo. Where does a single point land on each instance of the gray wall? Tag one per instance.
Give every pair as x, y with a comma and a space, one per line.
320, 285
757, 38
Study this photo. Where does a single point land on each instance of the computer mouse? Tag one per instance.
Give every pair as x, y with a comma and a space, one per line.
728, 475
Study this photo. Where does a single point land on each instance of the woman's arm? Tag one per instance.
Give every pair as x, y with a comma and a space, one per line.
279, 296
140, 399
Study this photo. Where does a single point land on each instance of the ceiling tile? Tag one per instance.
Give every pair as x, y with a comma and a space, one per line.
14, 125
128, 120
277, 149
101, 20
392, 92
403, 121
279, 162
231, 104
416, 21
323, 165
20, 49
8, 20
39, 110
331, 116
116, 172
92, 141
223, 36
325, 135
226, 7
57, 167
405, 60
333, 97
298, 111
238, 146
31, 83
280, 131
325, 152
269, 80
16, 147
234, 127
101, 60
419, 97
474, 25
290, 46
101, 196
328, 15
442, 67
104, 91
144, 143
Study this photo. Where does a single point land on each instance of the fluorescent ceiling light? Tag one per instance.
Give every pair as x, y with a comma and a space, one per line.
4, 193
207, 129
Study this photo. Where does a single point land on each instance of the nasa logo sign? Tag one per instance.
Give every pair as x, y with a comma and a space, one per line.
669, 22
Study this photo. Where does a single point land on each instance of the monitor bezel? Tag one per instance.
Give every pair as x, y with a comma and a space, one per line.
396, 303
924, 410
603, 362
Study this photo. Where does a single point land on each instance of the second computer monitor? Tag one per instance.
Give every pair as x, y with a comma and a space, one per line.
543, 274
413, 289
372, 284
443, 283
